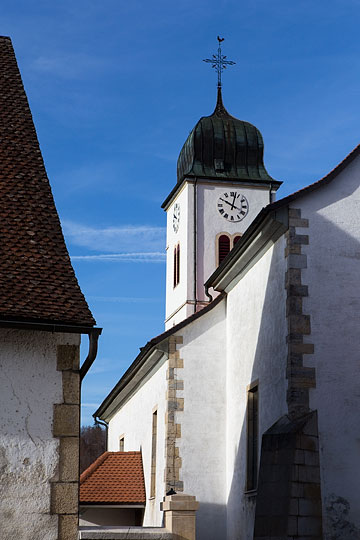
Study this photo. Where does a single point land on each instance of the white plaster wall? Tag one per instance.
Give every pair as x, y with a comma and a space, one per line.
30, 385
256, 349
203, 421
134, 421
333, 275
210, 223
177, 296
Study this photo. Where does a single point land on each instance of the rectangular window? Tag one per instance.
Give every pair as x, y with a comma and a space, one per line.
121, 443
252, 436
153, 455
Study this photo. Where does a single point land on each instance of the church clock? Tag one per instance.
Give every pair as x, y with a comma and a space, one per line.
233, 206
176, 217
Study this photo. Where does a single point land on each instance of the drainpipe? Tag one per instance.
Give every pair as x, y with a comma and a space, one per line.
208, 294
106, 425
270, 201
195, 244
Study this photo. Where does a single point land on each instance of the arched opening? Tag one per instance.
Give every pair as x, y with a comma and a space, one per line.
223, 247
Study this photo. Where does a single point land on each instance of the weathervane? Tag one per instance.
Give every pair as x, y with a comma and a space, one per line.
219, 61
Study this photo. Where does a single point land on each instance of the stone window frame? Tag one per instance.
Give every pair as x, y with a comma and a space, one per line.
122, 442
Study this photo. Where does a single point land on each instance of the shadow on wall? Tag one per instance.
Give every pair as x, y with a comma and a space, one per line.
335, 330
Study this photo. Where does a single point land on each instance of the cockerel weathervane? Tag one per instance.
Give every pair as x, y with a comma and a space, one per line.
219, 61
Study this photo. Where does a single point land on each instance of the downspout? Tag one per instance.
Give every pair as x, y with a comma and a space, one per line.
270, 189
106, 425
93, 347
208, 294
195, 244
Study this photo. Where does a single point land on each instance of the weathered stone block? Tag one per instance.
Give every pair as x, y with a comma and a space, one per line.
71, 387
68, 357
309, 474
292, 277
311, 458
311, 491
292, 248
176, 363
294, 213
297, 290
297, 261
66, 420
309, 443
298, 222
64, 498
299, 324
310, 526
301, 348
68, 527
294, 305
310, 507
69, 459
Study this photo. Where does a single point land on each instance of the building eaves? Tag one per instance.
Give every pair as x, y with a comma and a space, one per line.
145, 353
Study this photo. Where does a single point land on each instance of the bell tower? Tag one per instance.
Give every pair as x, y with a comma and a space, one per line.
222, 184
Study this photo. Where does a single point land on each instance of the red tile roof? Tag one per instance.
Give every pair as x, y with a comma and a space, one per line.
114, 478
37, 281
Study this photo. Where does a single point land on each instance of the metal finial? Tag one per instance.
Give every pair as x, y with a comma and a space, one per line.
219, 61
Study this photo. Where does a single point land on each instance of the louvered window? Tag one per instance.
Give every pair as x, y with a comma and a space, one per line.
176, 265
223, 247
236, 239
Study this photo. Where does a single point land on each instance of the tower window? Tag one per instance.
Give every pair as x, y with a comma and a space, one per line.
224, 243
223, 247
236, 238
176, 265
252, 436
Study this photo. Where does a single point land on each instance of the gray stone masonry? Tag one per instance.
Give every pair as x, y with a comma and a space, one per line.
288, 503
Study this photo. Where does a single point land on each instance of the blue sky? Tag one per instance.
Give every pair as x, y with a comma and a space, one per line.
115, 87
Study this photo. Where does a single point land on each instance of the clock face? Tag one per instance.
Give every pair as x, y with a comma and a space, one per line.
233, 206
176, 217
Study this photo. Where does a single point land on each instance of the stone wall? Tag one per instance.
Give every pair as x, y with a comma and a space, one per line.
38, 435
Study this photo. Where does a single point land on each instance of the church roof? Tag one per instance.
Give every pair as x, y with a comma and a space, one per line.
37, 281
114, 478
223, 147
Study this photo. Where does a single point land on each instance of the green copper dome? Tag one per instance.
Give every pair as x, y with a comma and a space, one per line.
223, 147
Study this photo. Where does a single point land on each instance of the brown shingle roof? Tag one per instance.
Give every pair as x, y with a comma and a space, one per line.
37, 281
114, 478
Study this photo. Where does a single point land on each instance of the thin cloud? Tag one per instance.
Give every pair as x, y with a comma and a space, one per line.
126, 299
140, 242
122, 257
69, 66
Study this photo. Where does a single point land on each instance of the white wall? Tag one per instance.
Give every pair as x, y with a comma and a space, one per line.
203, 421
30, 385
210, 223
333, 275
134, 421
176, 297
256, 349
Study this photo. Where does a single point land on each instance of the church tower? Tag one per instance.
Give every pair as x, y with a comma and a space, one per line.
222, 185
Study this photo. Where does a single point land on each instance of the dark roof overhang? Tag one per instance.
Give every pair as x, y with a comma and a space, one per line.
148, 357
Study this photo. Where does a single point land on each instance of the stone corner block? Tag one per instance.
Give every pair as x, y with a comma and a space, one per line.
68, 357
66, 420
69, 459
68, 527
64, 498
71, 387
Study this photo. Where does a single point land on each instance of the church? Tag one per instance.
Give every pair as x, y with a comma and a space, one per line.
249, 400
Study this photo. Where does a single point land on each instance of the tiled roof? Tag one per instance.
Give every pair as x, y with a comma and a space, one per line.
114, 478
37, 281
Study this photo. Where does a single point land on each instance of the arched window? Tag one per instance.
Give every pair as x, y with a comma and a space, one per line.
223, 247
236, 238
176, 264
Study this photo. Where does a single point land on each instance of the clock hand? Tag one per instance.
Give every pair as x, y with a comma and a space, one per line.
232, 206
229, 203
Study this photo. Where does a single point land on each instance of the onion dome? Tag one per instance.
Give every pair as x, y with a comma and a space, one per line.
223, 147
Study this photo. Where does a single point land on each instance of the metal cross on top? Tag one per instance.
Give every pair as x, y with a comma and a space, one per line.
219, 61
